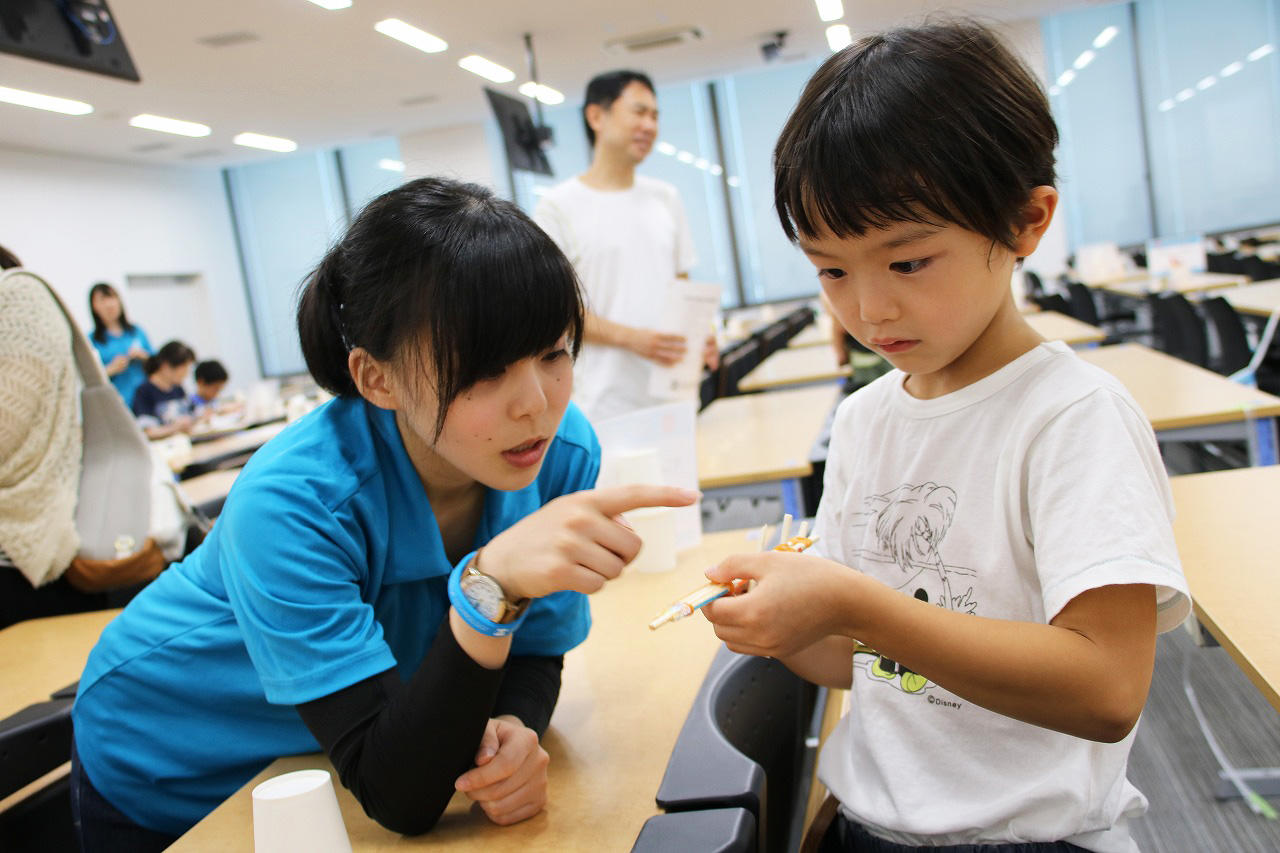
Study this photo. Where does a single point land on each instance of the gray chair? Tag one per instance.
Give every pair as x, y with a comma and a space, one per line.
743, 745
709, 831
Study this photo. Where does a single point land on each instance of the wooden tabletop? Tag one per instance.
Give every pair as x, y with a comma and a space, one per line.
790, 366
1174, 393
1192, 283
40, 656
245, 441
1225, 527
626, 693
210, 487
757, 438
1261, 298
1053, 326
817, 333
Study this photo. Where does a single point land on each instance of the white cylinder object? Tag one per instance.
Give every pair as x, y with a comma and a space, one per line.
298, 811
656, 527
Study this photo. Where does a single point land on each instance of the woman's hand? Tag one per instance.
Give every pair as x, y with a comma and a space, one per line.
510, 778
575, 542
117, 365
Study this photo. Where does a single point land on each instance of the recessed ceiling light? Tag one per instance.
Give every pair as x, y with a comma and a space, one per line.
830, 10
550, 97
1166, 105
839, 37
1184, 95
391, 165
333, 4
665, 148
685, 157
66, 106
170, 125
411, 35
1065, 78
266, 143
487, 69
1259, 52
1104, 38
1206, 82
1083, 59
1228, 70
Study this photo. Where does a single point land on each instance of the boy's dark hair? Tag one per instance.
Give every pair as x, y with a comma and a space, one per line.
99, 328
174, 354
8, 260
939, 122
451, 281
606, 88
210, 371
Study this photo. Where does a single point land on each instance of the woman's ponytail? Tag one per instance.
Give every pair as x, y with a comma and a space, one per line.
325, 344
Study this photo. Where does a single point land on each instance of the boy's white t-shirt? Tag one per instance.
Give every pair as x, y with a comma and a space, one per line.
1006, 499
627, 246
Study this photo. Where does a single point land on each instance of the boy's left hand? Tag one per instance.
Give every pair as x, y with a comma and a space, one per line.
793, 604
510, 778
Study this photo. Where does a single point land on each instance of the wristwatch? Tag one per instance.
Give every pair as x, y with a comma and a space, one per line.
486, 595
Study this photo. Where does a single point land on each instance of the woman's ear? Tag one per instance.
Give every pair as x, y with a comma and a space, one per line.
374, 379
1037, 213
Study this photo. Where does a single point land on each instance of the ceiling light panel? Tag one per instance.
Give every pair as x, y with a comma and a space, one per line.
266, 143
147, 121
487, 69
35, 100
411, 35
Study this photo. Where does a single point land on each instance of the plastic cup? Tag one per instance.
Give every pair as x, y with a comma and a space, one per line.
656, 527
298, 811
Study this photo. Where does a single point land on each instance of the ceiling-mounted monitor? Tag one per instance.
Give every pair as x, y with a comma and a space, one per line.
80, 34
523, 138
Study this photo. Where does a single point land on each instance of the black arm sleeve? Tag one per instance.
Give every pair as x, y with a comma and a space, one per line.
530, 689
399, 747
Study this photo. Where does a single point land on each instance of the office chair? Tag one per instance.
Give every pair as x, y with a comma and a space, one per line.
33, 742
1179, 329
743, 745
711, 830
1233, 342
1053, 302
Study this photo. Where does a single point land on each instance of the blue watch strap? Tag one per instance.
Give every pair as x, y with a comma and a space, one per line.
468, 611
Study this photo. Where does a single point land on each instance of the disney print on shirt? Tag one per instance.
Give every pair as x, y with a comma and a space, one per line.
904, 528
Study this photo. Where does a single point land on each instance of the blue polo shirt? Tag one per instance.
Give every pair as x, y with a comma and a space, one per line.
127, 380
324, 568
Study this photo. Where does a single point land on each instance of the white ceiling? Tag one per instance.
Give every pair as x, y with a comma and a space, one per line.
326, 77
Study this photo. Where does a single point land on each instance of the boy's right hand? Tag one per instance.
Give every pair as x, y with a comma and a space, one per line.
575, 542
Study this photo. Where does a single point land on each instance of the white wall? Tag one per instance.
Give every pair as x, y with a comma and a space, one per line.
462, 151
1051, 258
76, 221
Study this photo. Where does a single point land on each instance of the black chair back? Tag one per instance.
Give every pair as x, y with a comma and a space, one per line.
1053, 302
1179, 329
1082, 304
1233, 342
1032, 284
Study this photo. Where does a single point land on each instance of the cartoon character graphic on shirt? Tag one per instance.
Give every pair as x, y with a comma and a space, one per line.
904, 528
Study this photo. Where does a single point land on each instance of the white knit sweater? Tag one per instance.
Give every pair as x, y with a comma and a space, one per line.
40, 442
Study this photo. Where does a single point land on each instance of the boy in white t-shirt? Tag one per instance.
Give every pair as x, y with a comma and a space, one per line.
1002, 504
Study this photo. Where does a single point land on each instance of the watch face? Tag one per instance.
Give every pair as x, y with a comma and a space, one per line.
484, 594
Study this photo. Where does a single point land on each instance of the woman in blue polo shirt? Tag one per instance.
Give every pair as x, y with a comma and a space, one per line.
396, 577
122, 346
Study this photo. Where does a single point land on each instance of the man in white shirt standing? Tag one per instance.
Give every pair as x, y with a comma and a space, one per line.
628, 239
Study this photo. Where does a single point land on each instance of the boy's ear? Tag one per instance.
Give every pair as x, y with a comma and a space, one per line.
1037, 213
374, 379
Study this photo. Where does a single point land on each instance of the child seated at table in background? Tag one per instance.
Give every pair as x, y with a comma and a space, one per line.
211, 377
160, 404
995, 555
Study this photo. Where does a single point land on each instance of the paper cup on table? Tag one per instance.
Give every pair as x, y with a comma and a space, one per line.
656, 527
298, 811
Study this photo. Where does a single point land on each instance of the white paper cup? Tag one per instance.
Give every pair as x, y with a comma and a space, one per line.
298, 811
656, 527
635, 466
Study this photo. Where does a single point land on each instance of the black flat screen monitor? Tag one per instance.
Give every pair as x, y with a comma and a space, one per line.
524, 148
80, 34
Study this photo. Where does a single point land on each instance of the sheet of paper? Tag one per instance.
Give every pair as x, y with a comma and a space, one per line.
669, 430
690, 310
